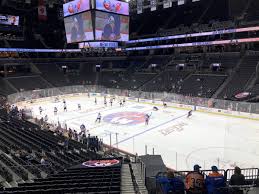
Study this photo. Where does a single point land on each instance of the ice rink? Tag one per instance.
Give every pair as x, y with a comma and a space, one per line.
206, 139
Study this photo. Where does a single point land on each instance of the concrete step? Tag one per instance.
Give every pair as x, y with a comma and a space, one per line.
126, 180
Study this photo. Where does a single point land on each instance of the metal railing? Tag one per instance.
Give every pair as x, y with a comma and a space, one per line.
251, 174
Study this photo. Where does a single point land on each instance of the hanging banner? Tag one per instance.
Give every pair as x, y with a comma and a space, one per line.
181, 2
42, 11
153, 5
167, 4
139, 6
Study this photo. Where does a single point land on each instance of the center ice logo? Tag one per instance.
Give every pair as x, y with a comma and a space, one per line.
125, 118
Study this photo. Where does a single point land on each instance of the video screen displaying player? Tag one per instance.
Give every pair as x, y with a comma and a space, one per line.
111, 30
111, 27
79, 28
9, 20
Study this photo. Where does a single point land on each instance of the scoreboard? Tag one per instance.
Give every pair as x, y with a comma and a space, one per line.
96, 20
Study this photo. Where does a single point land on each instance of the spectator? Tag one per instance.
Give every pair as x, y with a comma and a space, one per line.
44, 161
46, 118
32, 157
194, 181
70, 133
171, 184
66, 142
75, 135
214, 181
237, 178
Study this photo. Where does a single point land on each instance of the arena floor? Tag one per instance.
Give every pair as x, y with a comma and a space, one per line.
205, 139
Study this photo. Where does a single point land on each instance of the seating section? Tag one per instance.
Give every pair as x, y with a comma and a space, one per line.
166, 81
227, 61
241, 77
82, 78
5, 89
23, 145
200, 85
252, 12
140, 74
77, 180
28, 83
109, 78
53, 74
134, 81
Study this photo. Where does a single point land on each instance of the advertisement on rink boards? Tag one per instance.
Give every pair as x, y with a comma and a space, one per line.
228, 112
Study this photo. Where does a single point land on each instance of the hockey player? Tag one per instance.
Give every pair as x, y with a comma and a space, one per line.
79, 106
105, 102
46, 118
64, 102
111, 101
95, 101
165, 105
99, 117
83, 129
155, 108
55, 110
40, 109
189, 114
147, 117
65, 108
124, 101
121, 104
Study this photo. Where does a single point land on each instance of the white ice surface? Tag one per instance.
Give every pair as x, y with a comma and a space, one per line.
204, 139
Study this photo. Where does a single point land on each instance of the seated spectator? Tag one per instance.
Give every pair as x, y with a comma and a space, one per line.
237, 179
70, 133
214, 181
66, 144
194, 181
171, 184
61, 143
44, 161
75, 135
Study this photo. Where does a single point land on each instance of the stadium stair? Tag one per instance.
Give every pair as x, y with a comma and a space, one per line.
136, 167
143, 86
126, 180
251, 82
228, 80
241, 77
6, 87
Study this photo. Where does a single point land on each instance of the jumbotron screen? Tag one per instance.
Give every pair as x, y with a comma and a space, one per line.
112, 27
9, 20
113, 6
76, 6
79, 28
